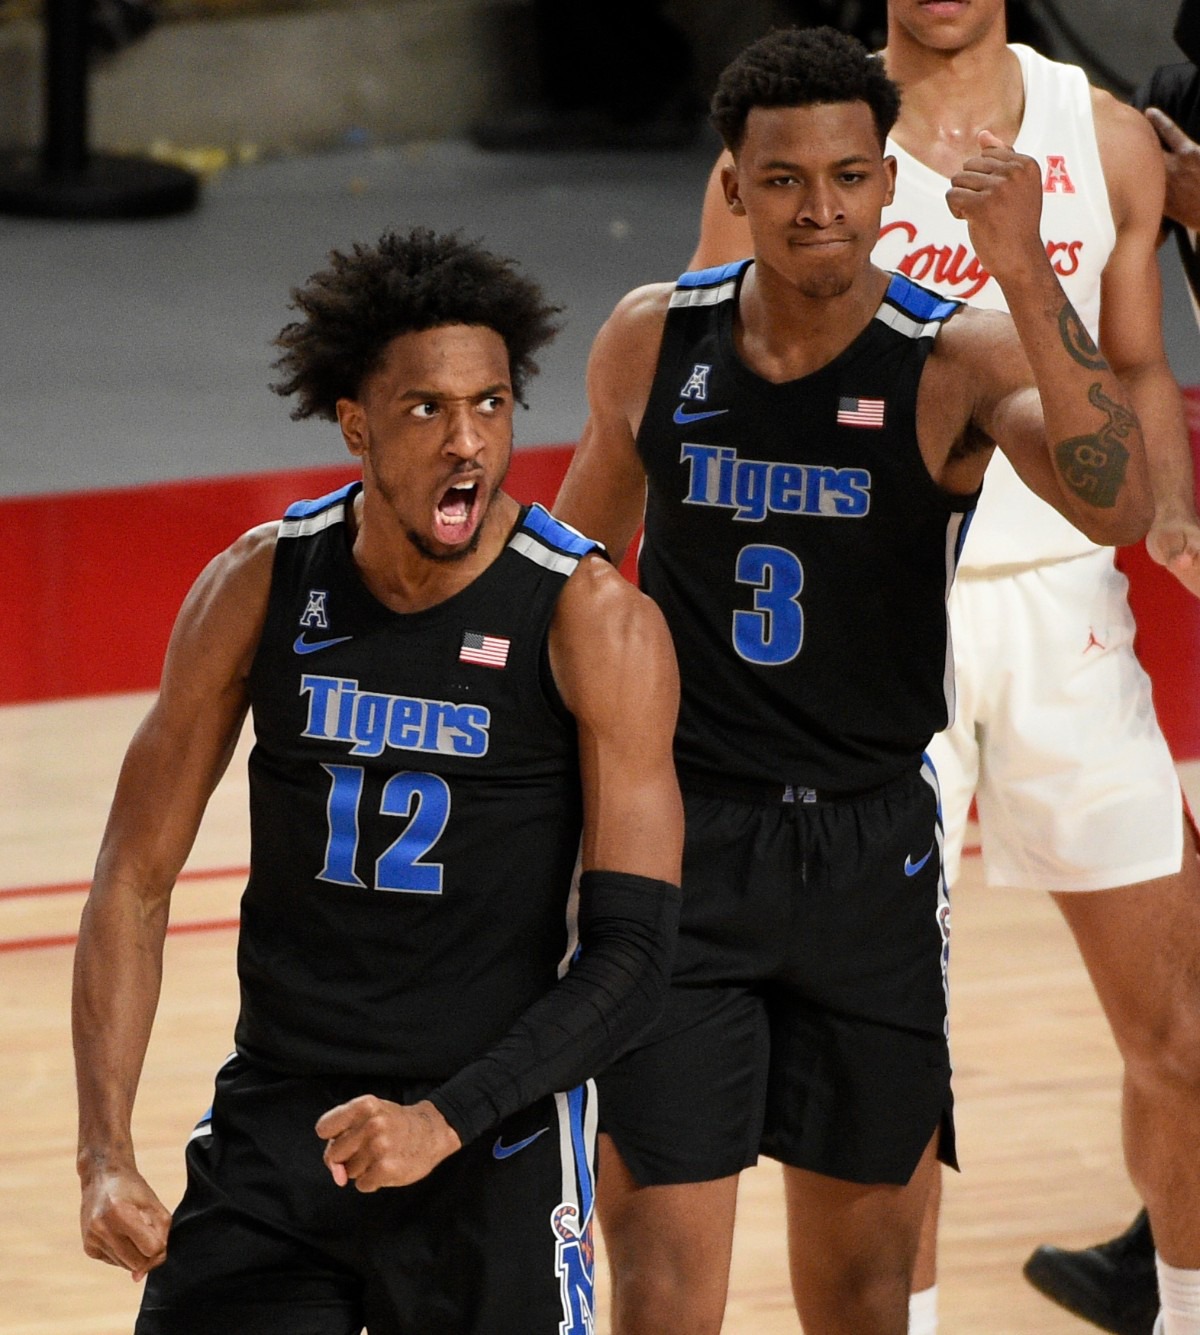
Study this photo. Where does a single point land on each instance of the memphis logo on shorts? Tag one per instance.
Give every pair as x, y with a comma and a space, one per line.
575, 1264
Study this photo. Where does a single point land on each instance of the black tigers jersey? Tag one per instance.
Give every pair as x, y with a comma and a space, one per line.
798, 547
415, 808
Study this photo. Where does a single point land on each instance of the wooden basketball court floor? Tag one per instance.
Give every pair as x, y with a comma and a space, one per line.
1036, 1070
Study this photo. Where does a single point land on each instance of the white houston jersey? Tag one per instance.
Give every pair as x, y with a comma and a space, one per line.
922, 239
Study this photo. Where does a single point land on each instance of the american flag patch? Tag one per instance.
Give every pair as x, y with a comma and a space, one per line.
860, 412
486, 650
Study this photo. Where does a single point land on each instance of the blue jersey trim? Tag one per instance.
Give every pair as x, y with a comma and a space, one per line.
968, 516
302, 509
557, 534
711, 277
576, 1102
917, 301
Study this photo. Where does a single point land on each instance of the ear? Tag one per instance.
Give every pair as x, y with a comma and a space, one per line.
730, 186
889, 167
353, 422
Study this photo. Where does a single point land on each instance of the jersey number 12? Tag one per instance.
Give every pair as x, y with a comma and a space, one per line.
423, 799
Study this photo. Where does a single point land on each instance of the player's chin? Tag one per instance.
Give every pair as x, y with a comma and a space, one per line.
825, 285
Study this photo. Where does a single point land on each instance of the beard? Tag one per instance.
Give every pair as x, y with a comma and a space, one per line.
447, 558
421, 544
822, 286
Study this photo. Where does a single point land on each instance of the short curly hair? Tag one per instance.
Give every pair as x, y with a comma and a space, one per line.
801, 67
403, 284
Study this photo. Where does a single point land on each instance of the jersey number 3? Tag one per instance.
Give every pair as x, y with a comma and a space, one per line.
773, 632
424, 799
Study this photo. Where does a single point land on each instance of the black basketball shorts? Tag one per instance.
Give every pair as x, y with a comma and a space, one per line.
807, 1018
498, 1238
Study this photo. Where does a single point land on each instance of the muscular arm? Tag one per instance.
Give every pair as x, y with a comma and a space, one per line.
1131, 333
615, 668
171, 767
604, 491
1071, 434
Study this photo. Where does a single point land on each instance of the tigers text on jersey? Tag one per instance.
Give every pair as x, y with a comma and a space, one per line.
922, 239
415, 808
798, 547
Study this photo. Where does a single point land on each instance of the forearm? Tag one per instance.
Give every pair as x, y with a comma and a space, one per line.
611, 993
601, 500
1093, 438
1159, 405
118, 974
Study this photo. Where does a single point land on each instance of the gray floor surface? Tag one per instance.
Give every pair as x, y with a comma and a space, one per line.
134, 352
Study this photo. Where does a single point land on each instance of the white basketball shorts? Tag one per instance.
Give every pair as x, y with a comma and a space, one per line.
1055, 734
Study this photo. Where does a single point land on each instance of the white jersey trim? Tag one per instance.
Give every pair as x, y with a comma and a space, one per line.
904, 324
703, 296
559, 562
310, 524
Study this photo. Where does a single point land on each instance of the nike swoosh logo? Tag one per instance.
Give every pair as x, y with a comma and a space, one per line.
303, 646
682, 418
911, 868
502, 1151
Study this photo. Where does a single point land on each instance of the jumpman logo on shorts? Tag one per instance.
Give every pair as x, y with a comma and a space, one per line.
1093, 642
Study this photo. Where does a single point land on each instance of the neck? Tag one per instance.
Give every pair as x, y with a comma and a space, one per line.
950, 95
783, 334
405, 579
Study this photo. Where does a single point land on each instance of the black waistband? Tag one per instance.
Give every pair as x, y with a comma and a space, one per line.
774, 794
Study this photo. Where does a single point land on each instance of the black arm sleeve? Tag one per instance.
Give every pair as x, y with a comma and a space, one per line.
614, 989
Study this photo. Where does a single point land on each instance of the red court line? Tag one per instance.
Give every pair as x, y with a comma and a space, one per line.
70, 938
75, 887
177, 929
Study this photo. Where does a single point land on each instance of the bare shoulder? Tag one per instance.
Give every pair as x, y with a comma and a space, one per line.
244, 566
606, 630
221, 619
976, 362
638, 318
257, 545
969, 342
1130, 156
598, 596
1118, 125
625, 353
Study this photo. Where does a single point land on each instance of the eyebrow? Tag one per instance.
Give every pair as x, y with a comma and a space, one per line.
435, 396
779, 164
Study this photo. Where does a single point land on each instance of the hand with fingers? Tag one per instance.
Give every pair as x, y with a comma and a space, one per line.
1175, 544
1182, 159
123, 1222
998, 193
377, 1143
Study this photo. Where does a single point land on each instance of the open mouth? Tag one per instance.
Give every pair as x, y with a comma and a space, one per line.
456, 514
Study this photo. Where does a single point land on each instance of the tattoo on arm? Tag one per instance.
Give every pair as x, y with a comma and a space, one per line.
1093, 467
1077, 341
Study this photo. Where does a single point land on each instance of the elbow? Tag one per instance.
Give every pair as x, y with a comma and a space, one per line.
1112, 505
1137, 525
1133, 515
1121, 526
